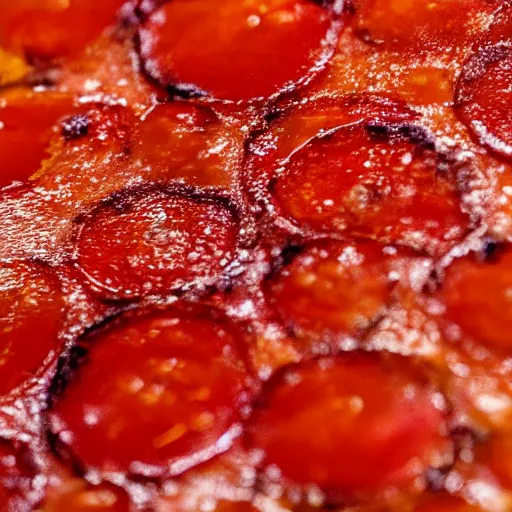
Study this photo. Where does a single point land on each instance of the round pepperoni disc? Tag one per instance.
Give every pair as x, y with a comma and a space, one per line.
54, 28
360, 182
248, 50
188, 143
333, 290
412, 25
477, 295
484, 96
155, 395
31, 315
27, 120
352, 423
155, 242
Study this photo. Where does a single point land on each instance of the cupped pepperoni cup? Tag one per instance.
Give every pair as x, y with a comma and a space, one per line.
32, 312
154, 241
365, 177
476, 293
155, 394
333, 291
354, 423
238, 50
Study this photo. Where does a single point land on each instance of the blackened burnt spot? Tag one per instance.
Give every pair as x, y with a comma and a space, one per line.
75, 127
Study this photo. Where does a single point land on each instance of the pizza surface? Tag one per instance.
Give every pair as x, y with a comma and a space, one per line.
255, 255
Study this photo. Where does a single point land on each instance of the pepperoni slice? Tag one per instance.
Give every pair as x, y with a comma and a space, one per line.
419, 25
27, 122
375, 412
483, 96
170, 402
249, 49
156, 242
335, 290
42, 29
359, 182
383, 181
483, 289
189, 143
31, 302
82, 497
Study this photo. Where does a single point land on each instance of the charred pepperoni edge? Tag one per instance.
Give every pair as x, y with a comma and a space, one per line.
378, 127
333, 498
291, 251
476, 67
120, 202
71, 361
189, 91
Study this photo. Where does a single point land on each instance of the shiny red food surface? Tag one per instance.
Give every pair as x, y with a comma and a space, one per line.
255, 256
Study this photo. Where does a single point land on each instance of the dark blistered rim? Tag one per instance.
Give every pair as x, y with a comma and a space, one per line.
71, 361
187, 91
120, 200
415, 367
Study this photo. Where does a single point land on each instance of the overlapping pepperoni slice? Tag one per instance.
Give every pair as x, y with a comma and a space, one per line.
336, 290
249, 49
365, 178
477, 296
483, 96
31, 316
153, 242
422, 25
353, 423
28, 120
155, 395
54, 28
